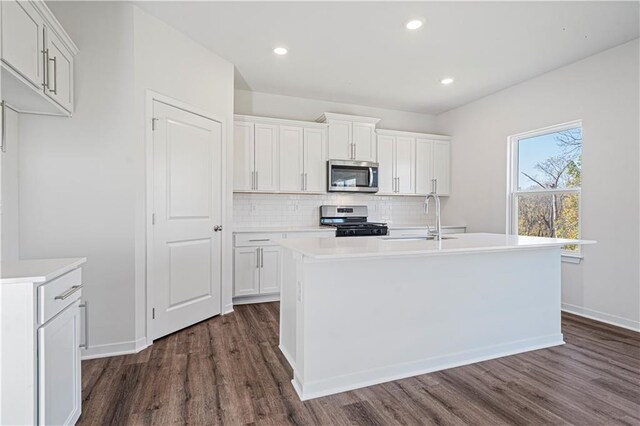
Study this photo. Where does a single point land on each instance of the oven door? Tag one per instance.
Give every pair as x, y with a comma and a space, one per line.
352, 176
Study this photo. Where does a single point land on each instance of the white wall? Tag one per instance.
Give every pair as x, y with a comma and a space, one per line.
278, 106
82, 188
602, 90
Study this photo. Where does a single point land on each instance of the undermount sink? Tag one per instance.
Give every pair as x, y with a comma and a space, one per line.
425, 238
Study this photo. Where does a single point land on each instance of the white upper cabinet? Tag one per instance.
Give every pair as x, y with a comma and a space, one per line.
22, 40
409, 163
37, 59
273, 155
291, 158
266, 157
351, 137
442, 166
315, 160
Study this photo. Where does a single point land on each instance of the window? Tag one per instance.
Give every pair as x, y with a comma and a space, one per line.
544, 183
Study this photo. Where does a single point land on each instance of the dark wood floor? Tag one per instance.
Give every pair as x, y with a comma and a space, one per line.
228, 370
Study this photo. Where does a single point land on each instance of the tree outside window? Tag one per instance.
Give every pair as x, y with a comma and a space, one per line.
546, 170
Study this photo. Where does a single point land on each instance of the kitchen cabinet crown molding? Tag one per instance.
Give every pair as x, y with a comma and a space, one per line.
278, 121
55, 25
345, 117
388, 132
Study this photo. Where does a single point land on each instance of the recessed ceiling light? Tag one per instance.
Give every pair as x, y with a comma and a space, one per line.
446, 80
414, 24
280, 51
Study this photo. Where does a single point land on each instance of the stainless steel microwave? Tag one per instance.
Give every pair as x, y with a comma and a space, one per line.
352, 176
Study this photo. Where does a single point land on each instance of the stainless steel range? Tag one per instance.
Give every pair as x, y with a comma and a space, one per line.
350, 221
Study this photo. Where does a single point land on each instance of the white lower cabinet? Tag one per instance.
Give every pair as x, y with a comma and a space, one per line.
257, 270
59, 385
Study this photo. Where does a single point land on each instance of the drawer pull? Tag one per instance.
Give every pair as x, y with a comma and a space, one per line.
68, 293
254, 241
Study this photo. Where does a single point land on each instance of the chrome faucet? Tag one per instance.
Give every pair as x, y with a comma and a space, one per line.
433, 194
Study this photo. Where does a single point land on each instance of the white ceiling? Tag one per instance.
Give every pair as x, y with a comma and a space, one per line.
361, 53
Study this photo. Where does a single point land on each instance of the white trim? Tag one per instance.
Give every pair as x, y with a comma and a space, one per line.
604, 317
261, 298
114, 349
279, 121
569, 257
389, 373
346, 117
151, 97
288, 356
389, 132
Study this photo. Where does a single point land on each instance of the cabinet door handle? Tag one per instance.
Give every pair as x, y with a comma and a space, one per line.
398, 185
257, 180
355, 153
85, 305
45, 68
259, 240
68, 293
257, 258
262, 258
305, 182
55, 76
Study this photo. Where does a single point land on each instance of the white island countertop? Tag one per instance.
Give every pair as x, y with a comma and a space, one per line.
313, 228
367, 247
37, 270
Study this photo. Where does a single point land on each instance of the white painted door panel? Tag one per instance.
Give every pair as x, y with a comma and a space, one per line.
405, 165
270, 270
441, 166
315, 160
22, 40
60, 71
424, 166
386, 164
185, 258
291, 159
340, 140
246, 264
59, 383
266, 156
364, 141
243, 165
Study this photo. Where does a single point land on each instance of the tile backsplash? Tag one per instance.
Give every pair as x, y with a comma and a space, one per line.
303, 210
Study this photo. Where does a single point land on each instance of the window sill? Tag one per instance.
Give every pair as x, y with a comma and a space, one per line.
575, 258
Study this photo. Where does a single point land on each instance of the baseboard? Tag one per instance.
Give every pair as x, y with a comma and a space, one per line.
227, 309
114, 349
332, 385
245, 300
288, 356
602, 317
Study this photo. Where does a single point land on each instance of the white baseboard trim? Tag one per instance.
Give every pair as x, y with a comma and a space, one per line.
602, 317
288, 356
227, 309
114, 349
338, 384
245, 300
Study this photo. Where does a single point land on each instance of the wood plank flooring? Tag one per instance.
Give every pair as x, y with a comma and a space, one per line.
229, 370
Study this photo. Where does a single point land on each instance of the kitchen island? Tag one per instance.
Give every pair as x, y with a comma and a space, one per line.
360, 311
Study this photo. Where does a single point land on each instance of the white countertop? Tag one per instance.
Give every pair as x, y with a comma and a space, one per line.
360, 247
37, 270
247, 229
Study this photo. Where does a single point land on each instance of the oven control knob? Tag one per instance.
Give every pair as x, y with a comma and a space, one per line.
351, 232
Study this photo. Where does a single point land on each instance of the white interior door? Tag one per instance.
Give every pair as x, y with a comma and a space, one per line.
187, 193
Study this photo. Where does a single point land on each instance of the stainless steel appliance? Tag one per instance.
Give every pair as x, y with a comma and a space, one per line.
350, 221
352, 176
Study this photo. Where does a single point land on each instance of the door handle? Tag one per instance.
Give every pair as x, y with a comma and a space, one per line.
257, 258
68, 293
398, 185
305, 182
217, 228
3, 146
85, 305
45, 68
302, 177
262, 258
55, 75
257, 180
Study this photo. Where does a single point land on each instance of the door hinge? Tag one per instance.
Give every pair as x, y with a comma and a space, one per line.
153, 313
153, 218
153, 123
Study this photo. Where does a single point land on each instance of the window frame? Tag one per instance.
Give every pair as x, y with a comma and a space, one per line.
512, 183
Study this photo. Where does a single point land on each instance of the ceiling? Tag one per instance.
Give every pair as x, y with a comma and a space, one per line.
361, 52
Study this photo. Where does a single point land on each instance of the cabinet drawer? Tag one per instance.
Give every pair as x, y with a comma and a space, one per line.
257, 239
59, 293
